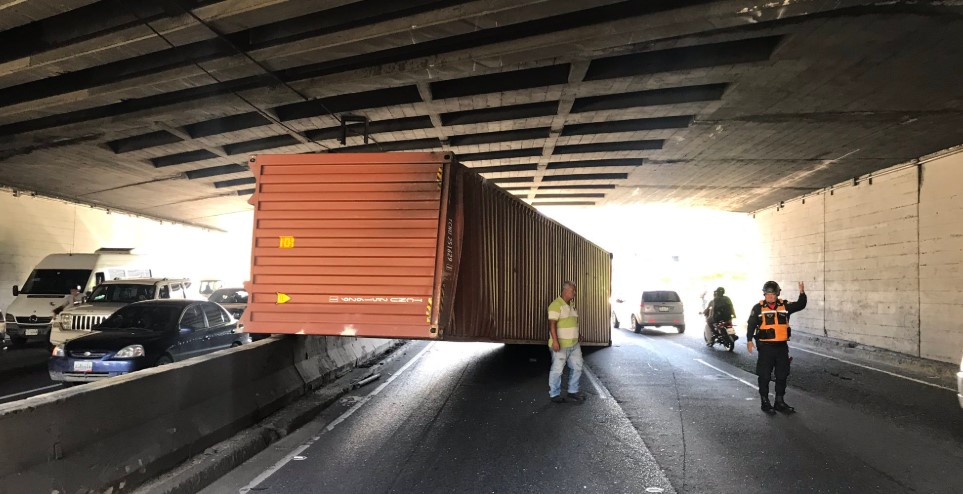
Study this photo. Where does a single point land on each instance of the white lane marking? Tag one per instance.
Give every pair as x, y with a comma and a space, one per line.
603, 393
874, 369
300, 449
796, 347
30, 391
743, 381
669, 342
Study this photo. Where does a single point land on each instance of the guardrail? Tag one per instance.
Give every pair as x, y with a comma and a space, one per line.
115, 434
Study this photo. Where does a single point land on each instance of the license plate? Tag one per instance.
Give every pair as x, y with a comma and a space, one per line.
663, 309
731, 330
32, 332
83, 366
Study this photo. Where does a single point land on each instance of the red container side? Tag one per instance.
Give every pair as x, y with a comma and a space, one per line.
411, 245
345, 244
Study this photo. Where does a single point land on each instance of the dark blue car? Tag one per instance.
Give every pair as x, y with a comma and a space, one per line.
146, 334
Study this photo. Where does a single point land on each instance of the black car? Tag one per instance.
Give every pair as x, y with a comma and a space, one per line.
146, 334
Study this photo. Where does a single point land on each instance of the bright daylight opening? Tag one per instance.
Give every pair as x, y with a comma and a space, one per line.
664, 247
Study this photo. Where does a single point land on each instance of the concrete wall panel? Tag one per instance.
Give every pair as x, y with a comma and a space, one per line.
883, 261
941, 259
794, 238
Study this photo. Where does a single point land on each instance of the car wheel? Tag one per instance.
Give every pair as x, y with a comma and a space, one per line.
635, 324
681, 328
164, 360
235, 344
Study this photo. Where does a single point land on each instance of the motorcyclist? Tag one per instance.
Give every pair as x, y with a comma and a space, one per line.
720, 309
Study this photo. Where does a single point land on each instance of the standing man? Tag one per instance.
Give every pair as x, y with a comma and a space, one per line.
769, 323
564, 344
74, 298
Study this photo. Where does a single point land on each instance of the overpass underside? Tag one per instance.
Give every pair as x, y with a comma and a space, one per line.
154, 107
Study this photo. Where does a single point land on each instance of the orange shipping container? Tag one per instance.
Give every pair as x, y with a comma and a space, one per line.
410, 245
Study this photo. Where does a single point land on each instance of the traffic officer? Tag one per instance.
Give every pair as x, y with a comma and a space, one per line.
769, 323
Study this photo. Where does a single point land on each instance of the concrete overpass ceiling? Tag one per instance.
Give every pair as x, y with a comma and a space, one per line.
154, 107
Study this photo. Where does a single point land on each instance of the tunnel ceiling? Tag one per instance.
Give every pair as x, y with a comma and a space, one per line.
155, 107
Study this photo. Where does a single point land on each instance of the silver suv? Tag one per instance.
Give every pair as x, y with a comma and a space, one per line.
106, 298
659, 308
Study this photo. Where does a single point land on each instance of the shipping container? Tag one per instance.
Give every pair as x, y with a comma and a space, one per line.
413, 246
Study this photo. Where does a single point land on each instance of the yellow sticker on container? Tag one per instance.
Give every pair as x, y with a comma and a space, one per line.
283, 298
287, 242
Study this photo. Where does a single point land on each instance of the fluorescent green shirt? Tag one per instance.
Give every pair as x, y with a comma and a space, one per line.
567, 325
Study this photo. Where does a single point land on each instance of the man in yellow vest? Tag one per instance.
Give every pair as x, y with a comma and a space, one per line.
769, 323
564, 343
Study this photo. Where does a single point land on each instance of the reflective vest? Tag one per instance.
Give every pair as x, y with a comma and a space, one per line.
774, 323
567, 322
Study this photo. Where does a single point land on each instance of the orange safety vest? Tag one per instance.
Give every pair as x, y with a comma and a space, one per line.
774, 325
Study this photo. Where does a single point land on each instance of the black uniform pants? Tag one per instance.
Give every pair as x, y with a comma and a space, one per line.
773, 356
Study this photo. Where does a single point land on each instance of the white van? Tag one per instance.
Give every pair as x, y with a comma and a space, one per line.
29, 315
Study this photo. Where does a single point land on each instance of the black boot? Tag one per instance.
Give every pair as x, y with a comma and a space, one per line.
766, 406
781, 406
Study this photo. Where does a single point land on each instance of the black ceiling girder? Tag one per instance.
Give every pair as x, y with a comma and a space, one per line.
585, 176
684, 58
495, 155
558, 165
650, 97
215, 171
634, 125
605, 147
143, 141
500, 113
502, 136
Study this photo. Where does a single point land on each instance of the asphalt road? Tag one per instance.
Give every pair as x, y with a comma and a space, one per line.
667, 413
23, 373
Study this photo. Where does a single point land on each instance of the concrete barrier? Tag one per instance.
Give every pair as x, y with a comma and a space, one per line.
113, 435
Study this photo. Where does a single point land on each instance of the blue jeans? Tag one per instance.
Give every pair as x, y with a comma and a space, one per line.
572, 355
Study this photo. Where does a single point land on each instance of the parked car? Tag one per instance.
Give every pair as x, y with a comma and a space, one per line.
659, 308
106, 298
146, 334
232, 299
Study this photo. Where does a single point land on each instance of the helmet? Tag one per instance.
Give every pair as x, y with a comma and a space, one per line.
719, 292
771, 286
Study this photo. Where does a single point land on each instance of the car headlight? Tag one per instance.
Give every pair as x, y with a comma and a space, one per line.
132, 351
65, 321
58, 351
9, 318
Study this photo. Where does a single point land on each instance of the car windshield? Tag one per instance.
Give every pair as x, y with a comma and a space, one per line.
55, 281
122, 293
229, 296
657, 297
147, 317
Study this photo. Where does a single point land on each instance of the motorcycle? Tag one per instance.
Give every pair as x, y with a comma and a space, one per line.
721, 332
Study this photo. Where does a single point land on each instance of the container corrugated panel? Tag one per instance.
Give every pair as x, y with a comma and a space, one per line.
513, 261
345, 244
411, 245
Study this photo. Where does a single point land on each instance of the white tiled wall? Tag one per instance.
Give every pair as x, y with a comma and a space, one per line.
883, 262
32, 227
